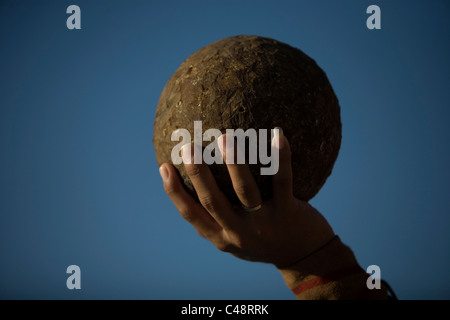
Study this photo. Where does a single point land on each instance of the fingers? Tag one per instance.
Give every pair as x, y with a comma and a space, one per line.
209, 194
188, 208
243, 182
282, 180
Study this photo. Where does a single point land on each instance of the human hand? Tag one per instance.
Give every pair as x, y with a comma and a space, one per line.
282, 231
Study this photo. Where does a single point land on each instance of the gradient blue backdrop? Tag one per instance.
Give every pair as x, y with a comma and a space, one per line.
80, 184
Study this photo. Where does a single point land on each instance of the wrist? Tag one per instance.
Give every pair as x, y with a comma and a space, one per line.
331, 272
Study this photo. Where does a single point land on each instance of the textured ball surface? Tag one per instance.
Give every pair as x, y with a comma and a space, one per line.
254, 82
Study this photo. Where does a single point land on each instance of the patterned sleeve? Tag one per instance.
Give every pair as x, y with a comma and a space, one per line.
331, 273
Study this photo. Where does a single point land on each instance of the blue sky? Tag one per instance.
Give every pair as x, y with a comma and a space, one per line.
79, 182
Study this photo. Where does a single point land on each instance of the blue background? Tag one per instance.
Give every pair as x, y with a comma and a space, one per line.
80, 184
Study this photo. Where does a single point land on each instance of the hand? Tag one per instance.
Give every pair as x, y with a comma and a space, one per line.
283, 231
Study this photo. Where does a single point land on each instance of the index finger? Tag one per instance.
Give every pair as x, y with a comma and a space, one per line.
188, 208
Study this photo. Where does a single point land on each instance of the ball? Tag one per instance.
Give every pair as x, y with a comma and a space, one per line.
245, 82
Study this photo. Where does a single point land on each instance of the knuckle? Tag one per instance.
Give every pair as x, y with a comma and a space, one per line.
224, 246
170, 188
193, 170
187, 214
243, 190
208, 203
240, 241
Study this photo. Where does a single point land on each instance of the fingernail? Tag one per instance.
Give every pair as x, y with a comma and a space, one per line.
279, 130
186, 153
278, 140
227, 148
220, 143
164, 173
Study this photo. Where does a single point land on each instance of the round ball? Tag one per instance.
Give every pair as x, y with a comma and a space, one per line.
254, 82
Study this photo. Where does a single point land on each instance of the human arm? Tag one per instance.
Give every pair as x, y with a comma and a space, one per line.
285, 231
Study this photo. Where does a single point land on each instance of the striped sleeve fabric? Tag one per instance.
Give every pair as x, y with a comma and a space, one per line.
331, 273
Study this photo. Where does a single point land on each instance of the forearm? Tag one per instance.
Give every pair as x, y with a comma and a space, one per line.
331, 273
